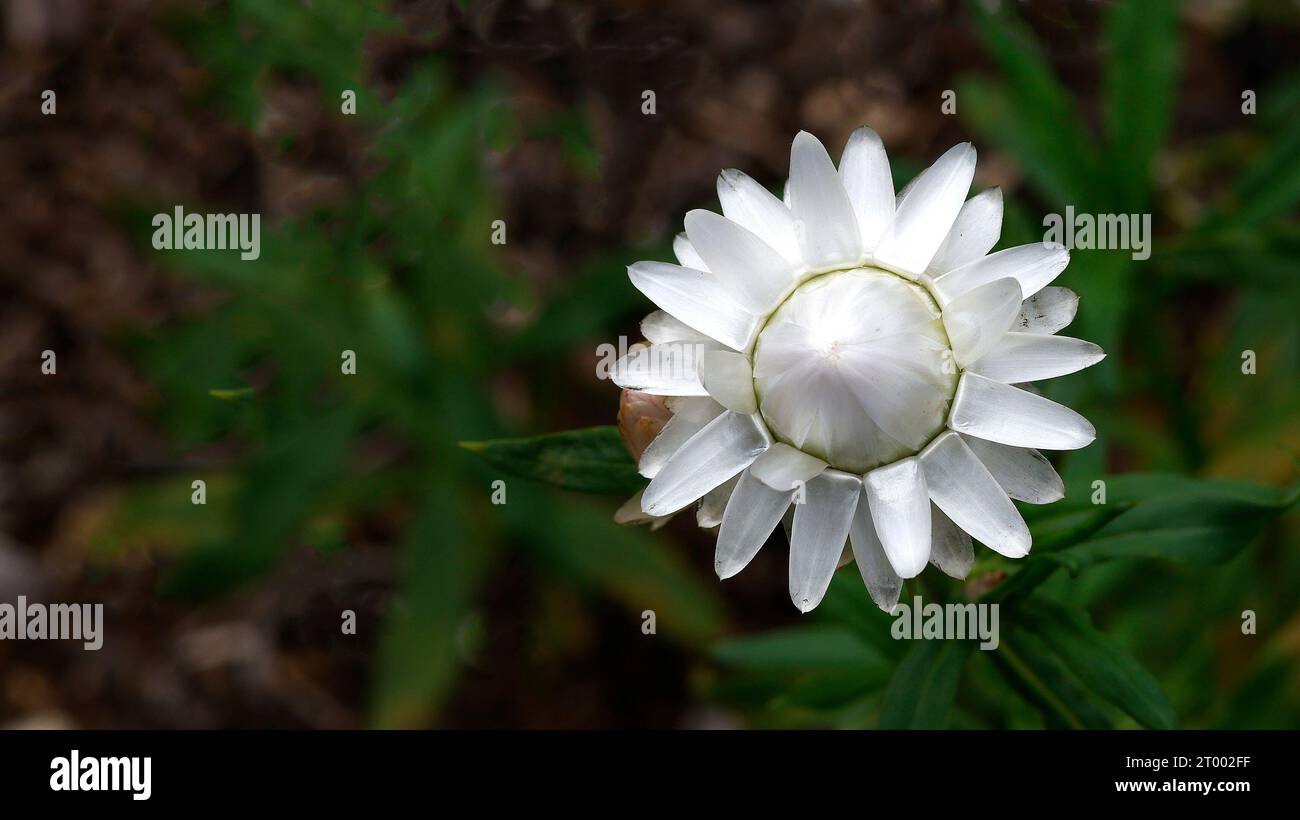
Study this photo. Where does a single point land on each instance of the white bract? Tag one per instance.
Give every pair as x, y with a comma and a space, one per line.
854, 356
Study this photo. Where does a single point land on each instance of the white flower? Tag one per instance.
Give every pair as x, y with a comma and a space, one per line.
856, 356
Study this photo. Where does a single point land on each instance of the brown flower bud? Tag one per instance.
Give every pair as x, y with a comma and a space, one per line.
640, 418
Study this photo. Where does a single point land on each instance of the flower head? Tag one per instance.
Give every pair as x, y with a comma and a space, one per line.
855, 356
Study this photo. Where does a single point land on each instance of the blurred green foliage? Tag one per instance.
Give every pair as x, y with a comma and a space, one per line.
402, 274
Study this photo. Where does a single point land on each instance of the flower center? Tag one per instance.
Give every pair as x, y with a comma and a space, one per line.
854, 368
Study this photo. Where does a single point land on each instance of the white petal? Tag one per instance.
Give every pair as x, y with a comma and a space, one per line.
755, 274
782, 467
1047, 311
900, 507
883, 584
714, 502
907, 189
1034, 266
1008, 415
753, 207
629, 513
824, 219
1026, 475
961, 487
686, 421
821, 525
978, 319
864, 171
699, 409
751, 515
927, 210
686, 254
1027, 357
950, 547
725, 446
666, 369
697, 299
729, 379
660, 326
976, 231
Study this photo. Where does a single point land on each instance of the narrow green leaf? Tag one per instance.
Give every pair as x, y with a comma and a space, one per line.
443, 564
1259, 259
821, 666
803, 647
1099, 664
1044, 680
834, 688
922, 691
1186, 520
1141, 46
1052, 533
1030, 114
591, 460
582, 543
847, 603
1146, 515
281, 486
1270, 186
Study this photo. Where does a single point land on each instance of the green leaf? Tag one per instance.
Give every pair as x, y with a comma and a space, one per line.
833, 688
443, 564
1146, 515
847, 603
1141, 44
1256, 259
582, 543
1099, 664
922, 691
820, 667
243, 39
281, 486
1045, 681
1051, 533
592, 460
1270, 186
1196, 521
1031, 114
803, 647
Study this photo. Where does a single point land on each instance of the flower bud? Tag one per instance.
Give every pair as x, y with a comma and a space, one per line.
640, 418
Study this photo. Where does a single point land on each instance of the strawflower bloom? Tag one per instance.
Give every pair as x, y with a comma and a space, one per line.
857, 358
